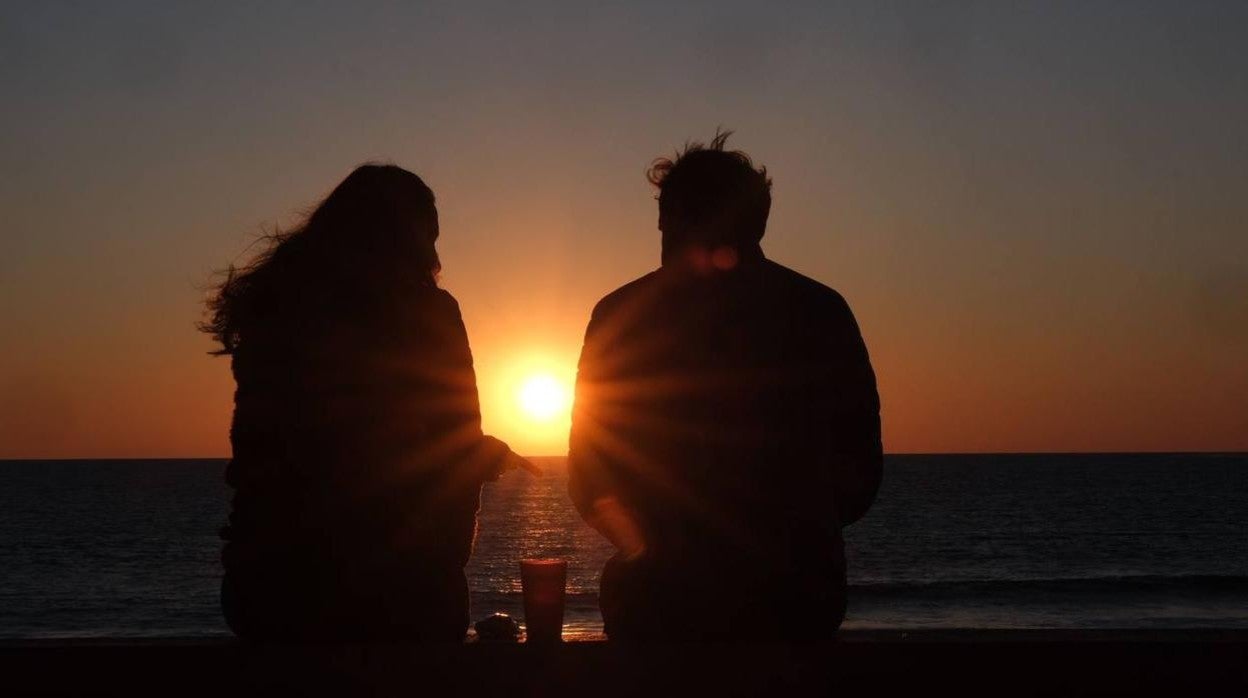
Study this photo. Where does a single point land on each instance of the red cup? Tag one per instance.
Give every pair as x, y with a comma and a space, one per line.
543, 582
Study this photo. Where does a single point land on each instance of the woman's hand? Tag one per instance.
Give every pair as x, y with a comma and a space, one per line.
502, 458
514, 461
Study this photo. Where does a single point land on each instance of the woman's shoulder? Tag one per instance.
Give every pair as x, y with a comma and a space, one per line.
431, 315
446, 300
440, 309
421, 300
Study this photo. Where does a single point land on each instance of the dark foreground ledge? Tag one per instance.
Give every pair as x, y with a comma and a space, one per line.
857, 663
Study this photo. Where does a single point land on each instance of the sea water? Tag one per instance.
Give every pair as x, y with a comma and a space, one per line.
129, 548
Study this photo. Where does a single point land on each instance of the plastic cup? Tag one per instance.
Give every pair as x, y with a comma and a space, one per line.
543, 582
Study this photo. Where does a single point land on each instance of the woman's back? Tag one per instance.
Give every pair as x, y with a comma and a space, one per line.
358, 456
351, 467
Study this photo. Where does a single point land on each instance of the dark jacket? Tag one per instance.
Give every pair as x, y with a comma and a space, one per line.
357, 472
735, 414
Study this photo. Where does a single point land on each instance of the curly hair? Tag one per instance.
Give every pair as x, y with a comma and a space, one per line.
711, 195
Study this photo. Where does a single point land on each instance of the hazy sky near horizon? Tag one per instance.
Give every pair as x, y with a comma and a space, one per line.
1038, 211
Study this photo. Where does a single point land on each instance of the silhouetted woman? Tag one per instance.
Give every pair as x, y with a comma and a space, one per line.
358, 453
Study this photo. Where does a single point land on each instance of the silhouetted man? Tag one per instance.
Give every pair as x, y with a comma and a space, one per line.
726, 425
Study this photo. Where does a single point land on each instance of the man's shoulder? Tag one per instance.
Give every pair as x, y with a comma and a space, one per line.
629, 294
810, 290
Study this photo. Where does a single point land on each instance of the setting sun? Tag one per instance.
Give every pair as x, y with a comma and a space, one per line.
543, 397
526, 395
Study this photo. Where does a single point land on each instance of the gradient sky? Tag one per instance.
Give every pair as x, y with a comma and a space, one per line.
1038, 211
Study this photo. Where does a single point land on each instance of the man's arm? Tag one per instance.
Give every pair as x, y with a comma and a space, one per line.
857, 446
588, 476
591, 463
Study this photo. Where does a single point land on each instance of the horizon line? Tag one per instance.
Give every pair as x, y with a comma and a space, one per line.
887, 453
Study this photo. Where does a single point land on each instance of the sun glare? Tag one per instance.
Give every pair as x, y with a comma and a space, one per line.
526, 399
542, 397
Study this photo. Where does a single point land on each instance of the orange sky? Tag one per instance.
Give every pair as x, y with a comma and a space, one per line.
1037, 216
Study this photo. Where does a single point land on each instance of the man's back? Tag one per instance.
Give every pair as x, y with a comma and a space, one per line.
733, 414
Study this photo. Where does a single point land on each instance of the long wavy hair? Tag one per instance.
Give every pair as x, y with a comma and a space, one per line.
370, 242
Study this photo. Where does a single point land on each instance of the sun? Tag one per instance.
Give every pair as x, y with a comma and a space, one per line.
527, 397
543, 397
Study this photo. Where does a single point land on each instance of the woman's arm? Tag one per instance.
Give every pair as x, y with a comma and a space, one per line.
485, 456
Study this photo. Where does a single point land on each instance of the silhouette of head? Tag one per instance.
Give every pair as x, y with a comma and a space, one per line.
379, 211
711, 198
370, 238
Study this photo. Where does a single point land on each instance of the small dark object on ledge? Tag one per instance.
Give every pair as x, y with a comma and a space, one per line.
498, 627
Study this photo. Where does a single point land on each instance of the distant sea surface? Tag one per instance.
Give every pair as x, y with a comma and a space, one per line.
129, 548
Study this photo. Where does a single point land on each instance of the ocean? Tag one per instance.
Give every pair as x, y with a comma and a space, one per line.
129, 548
